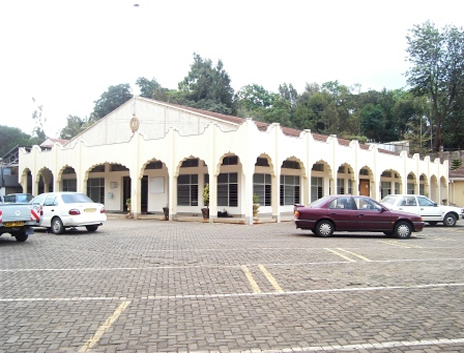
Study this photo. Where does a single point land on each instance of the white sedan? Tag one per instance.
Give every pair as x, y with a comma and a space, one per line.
61, 210
423, 206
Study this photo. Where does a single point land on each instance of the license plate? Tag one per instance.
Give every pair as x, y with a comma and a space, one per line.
90, 209
13, 224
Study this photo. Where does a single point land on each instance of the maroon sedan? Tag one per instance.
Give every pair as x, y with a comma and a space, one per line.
355, 214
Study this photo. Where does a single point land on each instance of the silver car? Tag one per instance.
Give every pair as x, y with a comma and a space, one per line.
426, 208
61, 210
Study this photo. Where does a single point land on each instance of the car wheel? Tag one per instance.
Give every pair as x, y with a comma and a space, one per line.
21, 237
403, 230
324, 228
433, 223
57, 226
450, 220
92, 228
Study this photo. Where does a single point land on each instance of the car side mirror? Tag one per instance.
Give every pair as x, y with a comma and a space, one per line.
435, 204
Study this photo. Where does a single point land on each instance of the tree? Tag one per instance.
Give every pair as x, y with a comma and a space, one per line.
207, 87
252, 97
114, 97
12, 137
437, 71
372, 121
39, 122
147, 87
74, 126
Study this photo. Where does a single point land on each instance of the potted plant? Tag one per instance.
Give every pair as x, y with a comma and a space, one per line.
128, 206
205, 210
166, 212
255, 205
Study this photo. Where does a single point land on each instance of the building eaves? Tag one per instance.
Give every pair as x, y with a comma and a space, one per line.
457, 173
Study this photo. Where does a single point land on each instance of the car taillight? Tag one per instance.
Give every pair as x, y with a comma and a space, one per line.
102, 210
297, 214
74, 212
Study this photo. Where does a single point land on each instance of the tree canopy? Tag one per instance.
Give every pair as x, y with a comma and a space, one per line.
430, 114
110, 100
437, 72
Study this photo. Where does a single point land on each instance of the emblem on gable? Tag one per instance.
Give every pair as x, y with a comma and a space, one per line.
134, 124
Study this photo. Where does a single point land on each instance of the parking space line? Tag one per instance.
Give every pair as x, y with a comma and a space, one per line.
103, 328
252, 281
271, 279
354, 254
341, 255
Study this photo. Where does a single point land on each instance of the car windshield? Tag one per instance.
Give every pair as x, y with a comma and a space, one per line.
20, 198
76, 198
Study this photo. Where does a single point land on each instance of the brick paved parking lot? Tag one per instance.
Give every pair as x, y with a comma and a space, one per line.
154, 286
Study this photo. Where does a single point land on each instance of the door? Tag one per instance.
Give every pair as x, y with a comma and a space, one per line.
126, 193
364, 187
342, 212
49, 210
408, 203
428, 209
144, 195
371, 216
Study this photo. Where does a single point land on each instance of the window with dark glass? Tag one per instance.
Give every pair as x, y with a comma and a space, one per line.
289, 189
262, 162
232, 160
187, 190
118, 168
227, 189
262, 188
189, 163
154, 165
96, 189
317, 188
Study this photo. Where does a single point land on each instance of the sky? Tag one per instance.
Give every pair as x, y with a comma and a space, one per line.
66, 53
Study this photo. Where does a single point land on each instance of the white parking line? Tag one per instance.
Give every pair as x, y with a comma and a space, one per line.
362, 346
225, 295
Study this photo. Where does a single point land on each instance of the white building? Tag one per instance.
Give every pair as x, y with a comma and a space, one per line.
160, 154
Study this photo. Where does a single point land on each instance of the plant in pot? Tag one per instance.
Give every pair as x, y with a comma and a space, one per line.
205, 210
166, 212
128, 206
255, 205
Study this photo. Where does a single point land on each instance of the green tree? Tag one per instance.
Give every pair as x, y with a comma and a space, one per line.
12, 137
207, 87
372, 121
148, 88
455, 164
325, 109
114, 97
74, 126
437, 59
252, 97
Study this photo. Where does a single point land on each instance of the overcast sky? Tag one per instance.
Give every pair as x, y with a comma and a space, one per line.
66, 53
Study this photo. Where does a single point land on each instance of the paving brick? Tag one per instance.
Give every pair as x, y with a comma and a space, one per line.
188, 291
